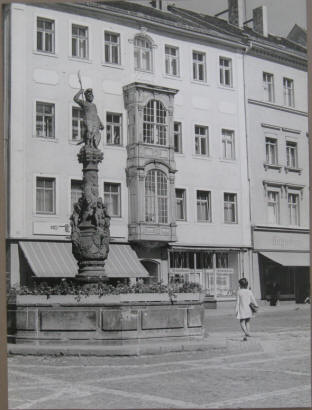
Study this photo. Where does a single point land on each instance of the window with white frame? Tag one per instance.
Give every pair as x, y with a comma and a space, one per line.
113, 129
273, 207
112, 47
112, 199
271, 150
45, 35
45, 195
230, 208
80, 41
181, 204
225, 68
289, 96
143, 54
228, 151
172, 60
291, 154
75, 191
154, 123
78, 127
201, 140
268, 86
177, 137
156, 197
199, 66
203, 206
222, 260
45, 120
293, 209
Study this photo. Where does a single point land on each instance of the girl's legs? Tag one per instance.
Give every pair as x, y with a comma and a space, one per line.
248, 327
242, 323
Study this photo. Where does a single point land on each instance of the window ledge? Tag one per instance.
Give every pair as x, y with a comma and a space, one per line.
231, 223
73, 142
45, 54
43, 139
172, 77
45, 216
228, 161
78, 59
293, 169
111, 65
203, 222
179, 154
144, 71
198, 82
272, 166
114, 147
203, 157
227, 87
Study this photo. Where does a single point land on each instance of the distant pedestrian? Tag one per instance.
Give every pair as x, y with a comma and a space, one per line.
275, 294
243, 311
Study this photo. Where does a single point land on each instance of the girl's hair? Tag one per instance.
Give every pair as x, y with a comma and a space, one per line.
243, 283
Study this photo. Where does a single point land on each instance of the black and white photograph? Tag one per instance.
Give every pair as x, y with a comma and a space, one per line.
156, 179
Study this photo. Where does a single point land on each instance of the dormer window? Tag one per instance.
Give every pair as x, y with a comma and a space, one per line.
154, 125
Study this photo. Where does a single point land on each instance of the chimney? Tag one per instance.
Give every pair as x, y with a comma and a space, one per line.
157, 4
260, 20
236, 12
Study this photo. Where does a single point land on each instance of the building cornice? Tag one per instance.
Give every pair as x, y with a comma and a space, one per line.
264, 228
277, 107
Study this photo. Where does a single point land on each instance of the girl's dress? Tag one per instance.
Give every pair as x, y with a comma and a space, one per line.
242, 308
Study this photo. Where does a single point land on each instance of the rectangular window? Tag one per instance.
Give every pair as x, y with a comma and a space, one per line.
172, 60
228, 144
177, 136
293, 209
273, 207
203, 206
77, 124
80, 41
143, 54
230, 208
45, 120
112, 199
289, 97
271, 151
222, 260
268, 85
112, 48
45, 35
201, 140
225, 71
199, 66
113, 129
181, 204
45, 195
291, 154
75, 191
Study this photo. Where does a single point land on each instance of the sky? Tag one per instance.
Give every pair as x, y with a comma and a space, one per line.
282, 14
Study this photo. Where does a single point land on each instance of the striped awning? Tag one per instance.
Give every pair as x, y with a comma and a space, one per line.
55, 260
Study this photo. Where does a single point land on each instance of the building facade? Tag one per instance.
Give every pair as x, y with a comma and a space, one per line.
170, 90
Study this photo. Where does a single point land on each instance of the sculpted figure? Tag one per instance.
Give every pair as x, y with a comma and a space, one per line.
93, 124
74, 218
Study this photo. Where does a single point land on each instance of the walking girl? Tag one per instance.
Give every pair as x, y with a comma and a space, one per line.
243, 311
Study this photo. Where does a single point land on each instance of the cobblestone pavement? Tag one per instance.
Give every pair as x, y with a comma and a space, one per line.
271, 369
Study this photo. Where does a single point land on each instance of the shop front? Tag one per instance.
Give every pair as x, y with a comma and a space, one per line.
216, 271
282, 259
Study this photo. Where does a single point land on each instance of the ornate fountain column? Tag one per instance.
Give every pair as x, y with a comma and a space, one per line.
90, 221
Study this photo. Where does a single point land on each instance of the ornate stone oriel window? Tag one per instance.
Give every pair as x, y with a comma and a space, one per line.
80, 41
225, 68
154, 123
77, 124
113, 129
112, 199
45, 195
143, 53
112, 47
172, 60
156, 197
45, 119
45, 35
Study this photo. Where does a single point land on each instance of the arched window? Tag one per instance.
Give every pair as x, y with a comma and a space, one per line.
154, 123
143, 54
156, 197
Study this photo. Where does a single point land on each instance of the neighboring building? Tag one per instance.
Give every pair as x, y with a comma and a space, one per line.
298, 35
170, 90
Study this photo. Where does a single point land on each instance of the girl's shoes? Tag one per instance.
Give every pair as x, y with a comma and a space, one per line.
248, 334
245, 339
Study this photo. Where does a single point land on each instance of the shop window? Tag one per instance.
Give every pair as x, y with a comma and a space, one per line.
112, 48
80, 41
203, 206
228, 144
156, 197
143, 54
291, 154
75, 191
293, 209
199, 66
45, 195
201, 140
112, 199
230, 208
45, 35
273, 207
181, 204
177, 137
271, 151
268, 86
154, 123
225, 71
222, 260
113, 129
172, 60
45, 120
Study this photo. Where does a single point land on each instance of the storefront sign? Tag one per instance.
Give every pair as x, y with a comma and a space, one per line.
48, 228
291, 241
